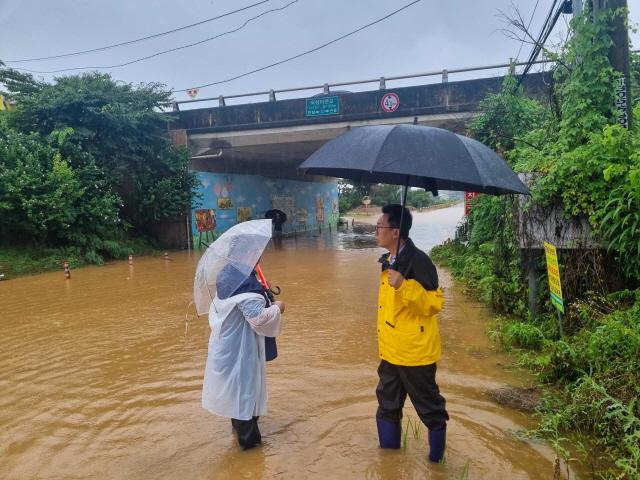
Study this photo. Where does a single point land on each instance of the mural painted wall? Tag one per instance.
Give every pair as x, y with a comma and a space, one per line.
234, 198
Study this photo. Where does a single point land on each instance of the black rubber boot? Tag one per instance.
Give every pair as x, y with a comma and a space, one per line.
388, 433
437, 442
247, 432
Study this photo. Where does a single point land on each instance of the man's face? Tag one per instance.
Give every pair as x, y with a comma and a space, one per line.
386, 235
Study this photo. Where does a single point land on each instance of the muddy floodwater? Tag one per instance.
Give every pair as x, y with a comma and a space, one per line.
101, 375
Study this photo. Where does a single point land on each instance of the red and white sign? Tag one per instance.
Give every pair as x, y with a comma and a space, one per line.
468, 201
390, 102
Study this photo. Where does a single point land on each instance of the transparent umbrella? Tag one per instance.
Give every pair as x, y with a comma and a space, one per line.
228, 261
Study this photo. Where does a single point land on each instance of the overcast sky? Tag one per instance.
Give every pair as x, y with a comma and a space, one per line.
427, 36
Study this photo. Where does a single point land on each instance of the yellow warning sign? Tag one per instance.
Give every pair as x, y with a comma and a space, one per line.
4, 103
553, 273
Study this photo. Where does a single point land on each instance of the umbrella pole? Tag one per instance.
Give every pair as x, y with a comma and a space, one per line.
403, 204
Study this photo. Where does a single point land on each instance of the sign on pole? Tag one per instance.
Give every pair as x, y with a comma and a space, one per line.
468, 201
553, 273
622, 108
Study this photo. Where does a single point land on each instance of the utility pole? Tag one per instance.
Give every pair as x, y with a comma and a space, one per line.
618, 56
577, 7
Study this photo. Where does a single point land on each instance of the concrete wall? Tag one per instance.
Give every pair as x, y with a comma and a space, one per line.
432, 99
236, 197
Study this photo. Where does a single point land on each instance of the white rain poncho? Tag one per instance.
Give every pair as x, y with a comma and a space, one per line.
239, 248
235, 374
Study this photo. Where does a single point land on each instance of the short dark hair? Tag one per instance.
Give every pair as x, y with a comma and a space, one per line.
394, 211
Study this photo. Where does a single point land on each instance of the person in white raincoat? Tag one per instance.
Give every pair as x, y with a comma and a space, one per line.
235, 374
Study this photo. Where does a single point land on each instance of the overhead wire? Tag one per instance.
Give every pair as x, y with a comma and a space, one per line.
141, 39
307, 52
542, 38
163, 52
545, 25
535, 8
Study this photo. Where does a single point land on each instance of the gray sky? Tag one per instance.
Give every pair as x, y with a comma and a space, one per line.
428, 36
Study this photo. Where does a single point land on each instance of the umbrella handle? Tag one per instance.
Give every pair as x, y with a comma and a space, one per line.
275, 290
403, 205
261, 277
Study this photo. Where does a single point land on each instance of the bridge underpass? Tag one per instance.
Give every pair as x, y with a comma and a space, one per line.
268, 150
247, 155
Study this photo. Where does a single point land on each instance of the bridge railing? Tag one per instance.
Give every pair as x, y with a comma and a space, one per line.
382, 83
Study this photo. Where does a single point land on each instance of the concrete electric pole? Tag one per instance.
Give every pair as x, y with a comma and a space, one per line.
618, 55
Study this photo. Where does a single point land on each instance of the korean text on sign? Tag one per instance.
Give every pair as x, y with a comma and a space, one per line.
553, 273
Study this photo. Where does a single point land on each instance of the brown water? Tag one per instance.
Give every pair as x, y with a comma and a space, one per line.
100, 377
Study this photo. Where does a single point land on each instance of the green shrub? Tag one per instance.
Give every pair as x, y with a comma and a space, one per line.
523, 335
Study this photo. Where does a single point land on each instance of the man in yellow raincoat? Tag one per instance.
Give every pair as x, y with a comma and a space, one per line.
408, 335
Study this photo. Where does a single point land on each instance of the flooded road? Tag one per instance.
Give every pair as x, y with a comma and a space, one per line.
100, 376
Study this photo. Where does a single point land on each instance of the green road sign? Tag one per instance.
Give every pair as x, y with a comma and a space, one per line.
323, 106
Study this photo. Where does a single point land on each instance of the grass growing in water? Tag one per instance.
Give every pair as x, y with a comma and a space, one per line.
414, 427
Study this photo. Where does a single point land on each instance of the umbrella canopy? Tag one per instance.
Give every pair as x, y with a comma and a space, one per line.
417, 156
277, 216
228, 261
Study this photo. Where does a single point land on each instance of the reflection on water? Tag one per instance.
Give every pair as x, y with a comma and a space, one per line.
100, 378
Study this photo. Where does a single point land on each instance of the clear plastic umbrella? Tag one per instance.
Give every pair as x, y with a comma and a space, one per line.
228, 261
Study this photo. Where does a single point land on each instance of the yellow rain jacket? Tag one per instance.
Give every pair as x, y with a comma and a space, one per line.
408, 331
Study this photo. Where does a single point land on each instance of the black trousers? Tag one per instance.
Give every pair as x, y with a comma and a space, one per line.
396, 382
247, 431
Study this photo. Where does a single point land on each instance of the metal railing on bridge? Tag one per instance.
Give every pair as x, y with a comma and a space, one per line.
382, 83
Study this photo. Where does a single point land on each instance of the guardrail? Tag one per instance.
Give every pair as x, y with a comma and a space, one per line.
382, 83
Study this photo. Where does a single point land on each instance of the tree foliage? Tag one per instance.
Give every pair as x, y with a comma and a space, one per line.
47, 201
506, 117
123, 128
587, 165
85, 158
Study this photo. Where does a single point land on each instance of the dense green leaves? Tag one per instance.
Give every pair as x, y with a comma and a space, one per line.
586, 166
586, 92
506, 118
123, 129
85, 158
44, 200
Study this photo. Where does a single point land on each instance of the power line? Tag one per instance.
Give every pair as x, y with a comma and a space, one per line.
535, 50
528, 25
542, 38
303, 53
129, 42
165, 51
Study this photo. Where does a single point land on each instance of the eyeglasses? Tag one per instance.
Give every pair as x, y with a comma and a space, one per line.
378, 227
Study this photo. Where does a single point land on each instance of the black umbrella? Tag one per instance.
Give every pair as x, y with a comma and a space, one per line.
417, 156
278, 217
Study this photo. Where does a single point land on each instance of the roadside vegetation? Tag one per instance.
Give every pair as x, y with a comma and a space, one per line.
86, 169
588, 166
350, 195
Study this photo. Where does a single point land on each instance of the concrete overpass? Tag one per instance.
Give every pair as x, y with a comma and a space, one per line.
246, 156
256, 138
